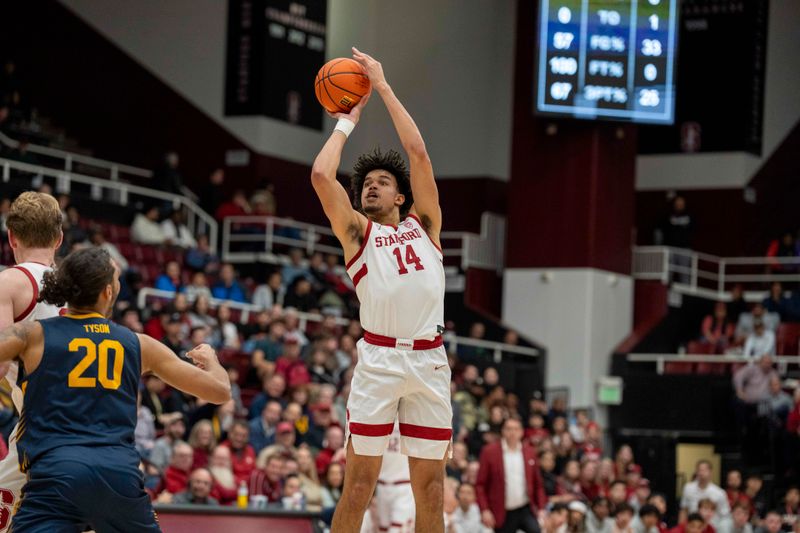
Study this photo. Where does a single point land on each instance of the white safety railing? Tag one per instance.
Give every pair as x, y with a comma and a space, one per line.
116, 192
708, 275
498, 349
661, 359
247, 239
69, 161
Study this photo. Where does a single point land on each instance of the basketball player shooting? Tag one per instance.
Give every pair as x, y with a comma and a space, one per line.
390, 236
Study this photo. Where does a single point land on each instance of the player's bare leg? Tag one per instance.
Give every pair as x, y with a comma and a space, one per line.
427, 482
360, 478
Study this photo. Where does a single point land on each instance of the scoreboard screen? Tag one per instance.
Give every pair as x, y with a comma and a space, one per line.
607, 59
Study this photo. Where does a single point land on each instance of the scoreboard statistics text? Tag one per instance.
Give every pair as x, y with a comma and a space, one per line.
607, 59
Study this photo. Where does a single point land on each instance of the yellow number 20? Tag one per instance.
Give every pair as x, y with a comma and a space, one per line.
76, 377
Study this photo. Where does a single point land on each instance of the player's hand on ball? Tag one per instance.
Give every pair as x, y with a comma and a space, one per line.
355, 114
202, 356
371, 66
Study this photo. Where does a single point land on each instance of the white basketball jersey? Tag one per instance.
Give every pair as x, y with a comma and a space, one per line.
35, 311
399, 278
394, 467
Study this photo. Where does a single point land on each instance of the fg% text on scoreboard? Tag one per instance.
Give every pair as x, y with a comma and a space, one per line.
607, 59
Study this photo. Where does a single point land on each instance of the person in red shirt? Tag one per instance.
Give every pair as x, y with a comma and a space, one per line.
290, 366
707, 509
243, 456
333, 451
733, 489
268, 482
588, 480
176, 476
225, 488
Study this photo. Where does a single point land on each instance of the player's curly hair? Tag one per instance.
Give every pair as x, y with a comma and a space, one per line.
392, 162
79, 279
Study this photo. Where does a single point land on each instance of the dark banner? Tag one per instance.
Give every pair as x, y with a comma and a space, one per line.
275, 48
720, 78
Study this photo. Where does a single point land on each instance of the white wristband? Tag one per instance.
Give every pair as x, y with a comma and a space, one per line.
345, 126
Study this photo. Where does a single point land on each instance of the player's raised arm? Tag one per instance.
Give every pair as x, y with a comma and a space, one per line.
423, 184
347, 224
208, 380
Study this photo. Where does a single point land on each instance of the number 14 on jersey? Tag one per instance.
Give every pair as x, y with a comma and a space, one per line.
410, 259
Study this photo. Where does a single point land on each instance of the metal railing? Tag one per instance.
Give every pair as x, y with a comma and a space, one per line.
661, 359
116, 192
68, 161
452, 341
708, 275
247, 239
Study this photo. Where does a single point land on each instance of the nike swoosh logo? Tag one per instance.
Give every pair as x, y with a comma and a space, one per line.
439, 366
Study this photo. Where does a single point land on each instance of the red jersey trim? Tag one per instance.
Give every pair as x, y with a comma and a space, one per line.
360, 274
35, 286
363, 245
425, 432
415, 217
371, 430
401, 482
390, 342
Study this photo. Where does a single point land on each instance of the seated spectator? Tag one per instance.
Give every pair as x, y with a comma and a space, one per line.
322, 367
225, 486
174, 337
599, 519
145, 432
717, 328
649, 520
268, 481
243, 457
760, 342
170, 279
227, 288
746, 324
754, 490
588, 480
200, 258
576, 522
694, 524
284, 444
130, 319
98, 239
176, 476
740, 520
733, 489
777, 302
272, 388
146, 229
309, 480
292, 497
772, 523
474, 355
295, 269
290, 366
203, 442
263, 428
300, 297
236, 206
321, 420
617, 495
332, 486
333, 450
163, 448
198, 287
622, 519
270, 293
467, 517
226, 331
175, 231
200, 485
200, 315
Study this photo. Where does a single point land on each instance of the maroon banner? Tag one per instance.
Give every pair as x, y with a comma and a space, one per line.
197, 519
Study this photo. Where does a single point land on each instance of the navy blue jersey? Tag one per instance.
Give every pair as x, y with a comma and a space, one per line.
84, 391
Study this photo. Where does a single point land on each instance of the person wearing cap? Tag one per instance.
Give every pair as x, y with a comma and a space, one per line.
174, 431
577, 517
321, 420
289, 365
284, 444
509, 486
640, 494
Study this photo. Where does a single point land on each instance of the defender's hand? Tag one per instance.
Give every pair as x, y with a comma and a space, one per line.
203, 355
355, 114
371, 66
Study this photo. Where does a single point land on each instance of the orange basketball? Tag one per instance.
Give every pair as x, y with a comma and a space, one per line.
340, 84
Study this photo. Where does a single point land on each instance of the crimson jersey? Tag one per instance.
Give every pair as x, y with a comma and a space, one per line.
399, 278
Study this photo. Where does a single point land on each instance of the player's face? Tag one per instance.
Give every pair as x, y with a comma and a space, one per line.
380, 194
114, 290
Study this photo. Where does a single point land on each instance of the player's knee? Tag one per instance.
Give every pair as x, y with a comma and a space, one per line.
430, 492
359, 492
